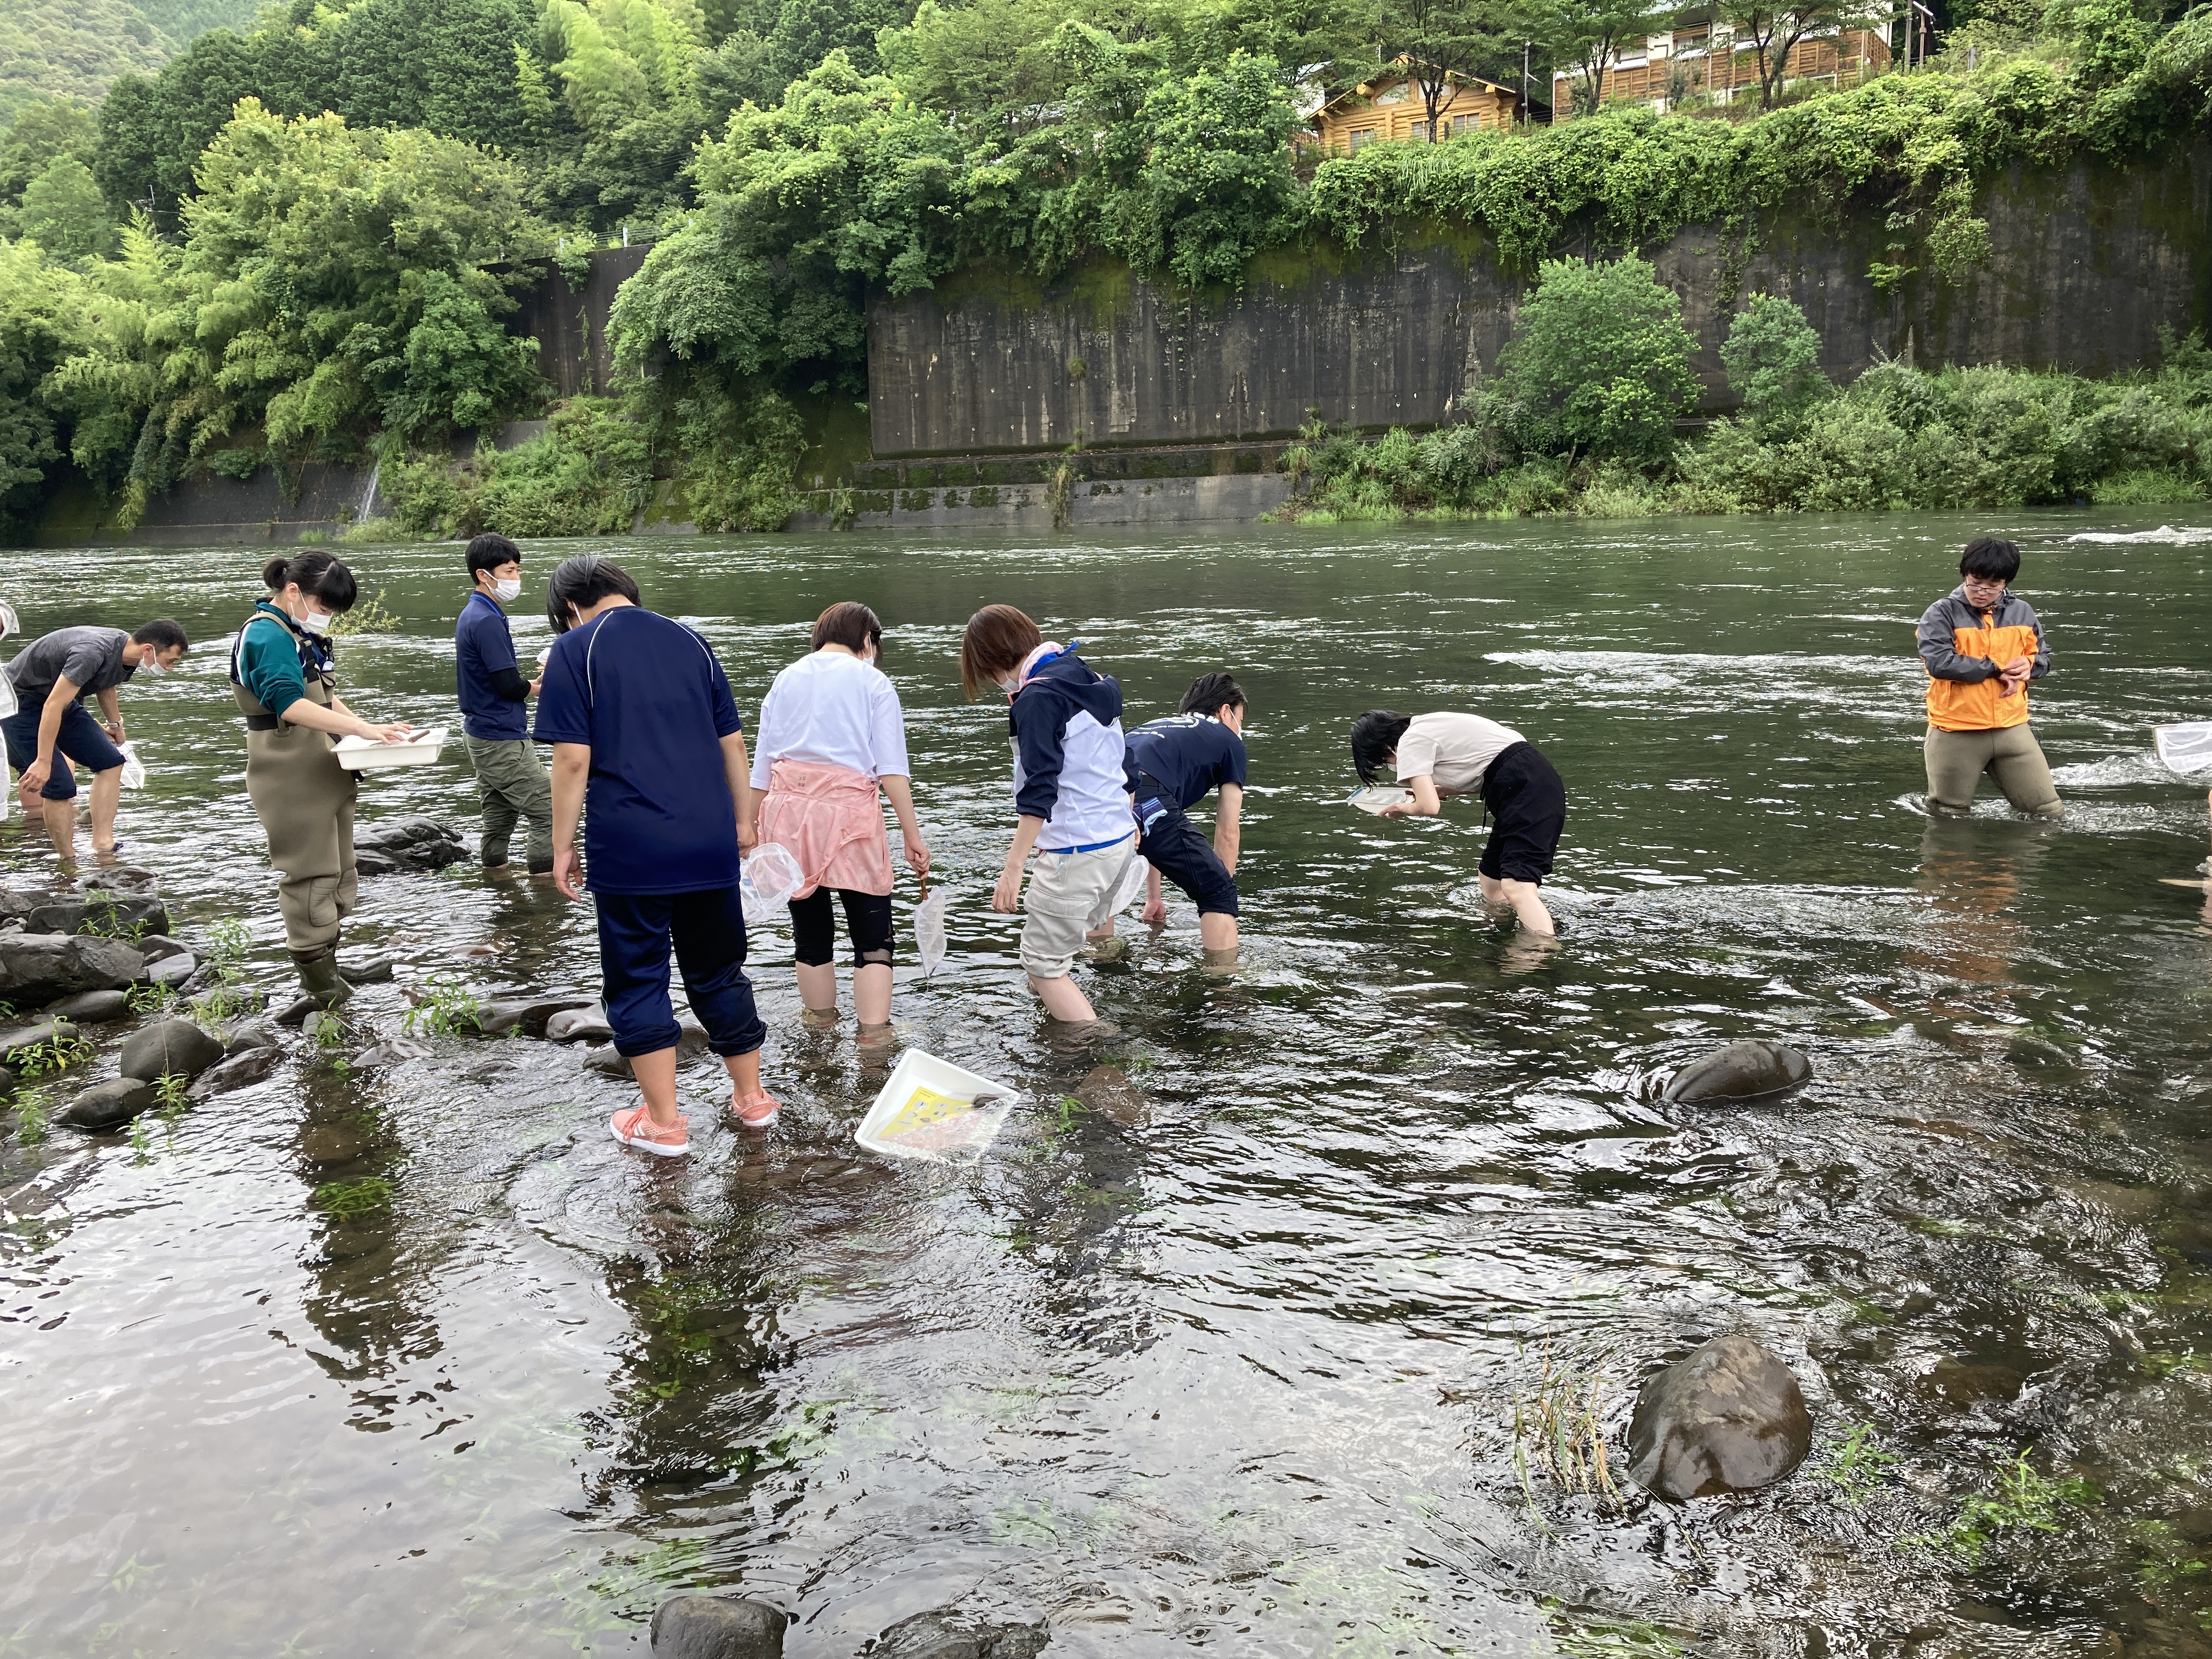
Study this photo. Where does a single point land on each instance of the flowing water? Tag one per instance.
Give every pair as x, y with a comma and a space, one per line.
1232, 1359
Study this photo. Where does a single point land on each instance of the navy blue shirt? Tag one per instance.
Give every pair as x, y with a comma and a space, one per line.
1188, 755
481, 647
648, 696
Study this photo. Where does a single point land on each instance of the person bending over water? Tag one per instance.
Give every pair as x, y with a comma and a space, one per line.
1438, 755
831, 732
1981, 645
643, 726
495, 698
1178, 761
282, 673
51, 728
1072, 793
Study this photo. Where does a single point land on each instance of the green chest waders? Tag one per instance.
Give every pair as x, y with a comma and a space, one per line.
304, 799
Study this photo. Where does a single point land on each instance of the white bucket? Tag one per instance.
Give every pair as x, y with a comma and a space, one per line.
928, 1111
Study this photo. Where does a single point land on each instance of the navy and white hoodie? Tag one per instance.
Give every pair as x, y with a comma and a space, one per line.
1070, 762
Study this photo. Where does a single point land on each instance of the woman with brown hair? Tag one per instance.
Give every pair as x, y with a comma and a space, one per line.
1072, 783
831, 735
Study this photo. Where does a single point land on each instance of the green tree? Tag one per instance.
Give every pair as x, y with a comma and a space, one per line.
1772, 357
1217, 180
63, 212
1438, 42
42, 134
39, 325
446, 65
1774, 27
1599, 363
1589, 37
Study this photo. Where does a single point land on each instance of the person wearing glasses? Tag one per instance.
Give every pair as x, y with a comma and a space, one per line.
1982, 644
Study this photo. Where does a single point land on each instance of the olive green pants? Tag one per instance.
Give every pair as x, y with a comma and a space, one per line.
305, 801
511, 783
2010, 754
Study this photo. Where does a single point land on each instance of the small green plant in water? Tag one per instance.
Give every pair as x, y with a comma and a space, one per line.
1578, 1638
345, 1199
1859, 1466
30, 1121
369, 617
169, 1094
228, 943
1560, 1430
2021, 1500
141, 1139
103, 917
38, 1060
218, 1007
150, 1001
447, 1008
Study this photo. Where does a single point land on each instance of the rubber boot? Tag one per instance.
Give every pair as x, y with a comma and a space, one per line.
321, 985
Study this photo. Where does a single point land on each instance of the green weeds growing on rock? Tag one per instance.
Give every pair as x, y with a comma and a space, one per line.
30, 1119
152, 1000
56, 1054
345, 1200
170, 1092
103, 918
447, 1008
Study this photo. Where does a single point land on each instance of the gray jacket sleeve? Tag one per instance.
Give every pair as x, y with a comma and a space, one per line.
1938, 649
2042, 650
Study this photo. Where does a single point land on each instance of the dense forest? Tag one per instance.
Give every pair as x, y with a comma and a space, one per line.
302, 238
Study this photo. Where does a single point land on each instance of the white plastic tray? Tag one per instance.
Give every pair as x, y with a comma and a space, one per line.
954, 1132
1376, 796
360, 755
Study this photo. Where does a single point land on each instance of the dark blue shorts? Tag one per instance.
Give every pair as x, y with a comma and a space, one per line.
1172, 845
82, 738
707, 931
1528, 805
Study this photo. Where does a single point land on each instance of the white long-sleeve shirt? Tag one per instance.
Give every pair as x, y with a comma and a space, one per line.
832, 707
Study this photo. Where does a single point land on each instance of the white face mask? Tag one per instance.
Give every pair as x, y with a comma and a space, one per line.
1011, 684
506, 592
315, 621
152, 665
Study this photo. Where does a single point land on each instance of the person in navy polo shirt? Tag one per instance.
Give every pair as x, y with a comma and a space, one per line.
642, 726
1179, 761
511, 784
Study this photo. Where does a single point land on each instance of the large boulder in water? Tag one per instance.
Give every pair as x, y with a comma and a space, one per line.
1742, 1070
717, 1627
109, 1105
1730, 1418
92, 1007
947, 1635
169, 1047
38, 968
530, 1015
409, 843
116, 914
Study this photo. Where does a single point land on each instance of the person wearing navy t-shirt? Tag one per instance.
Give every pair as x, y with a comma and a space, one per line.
644, 730
1179, 761
495, 699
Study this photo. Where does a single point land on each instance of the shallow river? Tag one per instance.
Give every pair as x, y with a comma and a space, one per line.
1238, 1369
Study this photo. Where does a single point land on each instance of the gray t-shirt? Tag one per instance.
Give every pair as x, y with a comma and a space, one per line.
90, 657
1454, 750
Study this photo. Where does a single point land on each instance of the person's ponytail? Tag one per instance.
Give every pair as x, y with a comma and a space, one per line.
276, 574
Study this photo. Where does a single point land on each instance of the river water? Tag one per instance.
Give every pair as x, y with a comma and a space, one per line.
1237, 1368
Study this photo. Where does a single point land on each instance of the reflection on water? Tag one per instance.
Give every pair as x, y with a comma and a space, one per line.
1223, 1345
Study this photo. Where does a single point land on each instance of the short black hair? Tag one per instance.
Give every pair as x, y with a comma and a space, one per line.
318, 575
1210, 694
1990, 557
161, 635
583, 581
490, 550
1375, 737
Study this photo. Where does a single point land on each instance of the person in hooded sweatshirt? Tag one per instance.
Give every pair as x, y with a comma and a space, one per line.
1072, 794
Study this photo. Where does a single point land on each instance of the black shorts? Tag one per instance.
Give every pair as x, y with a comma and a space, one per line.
867, 919
1172, 845
1527, 807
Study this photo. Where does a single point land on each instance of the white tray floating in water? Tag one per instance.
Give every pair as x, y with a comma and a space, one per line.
2186, 749
932, 1110
362, 755
1376, 796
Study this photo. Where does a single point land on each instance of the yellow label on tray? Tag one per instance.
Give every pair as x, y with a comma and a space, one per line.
925, 1109
933, 1122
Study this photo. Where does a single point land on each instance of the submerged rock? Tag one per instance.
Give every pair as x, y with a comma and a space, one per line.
109, 1105
92, 1007
530, 1016
112, 914
38, 968
365, 970
248, 1066
958, 1636
120, 877
580, 1025
691, 1039
1730, 1418
1106, 1090
407, 843
169, 1047
1742, 1070
717, 1627
391, 1051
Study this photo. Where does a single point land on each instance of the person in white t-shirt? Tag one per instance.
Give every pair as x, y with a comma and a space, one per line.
1443, 754
832, 731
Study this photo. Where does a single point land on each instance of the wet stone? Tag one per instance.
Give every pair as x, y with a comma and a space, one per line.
254, 1034
248, 1066
391, 1051
1730, 1418
717, 1627
365, 970
109, 1105
1965, 1384
170, 1047
92, 1007
580, 1025
112, 914
1742, 1070
332, 1143
172, 970
16, 903
36, 1035
406, 843
690, 1040
958, 1636
530, 1016
158, 945
120, 878
1106, 1090
39, 968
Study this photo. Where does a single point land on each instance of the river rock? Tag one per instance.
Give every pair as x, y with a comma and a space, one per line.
92, 1007
956, 1635
109, 1105
1106, 1090
172, 971
36, 1035
254, 1034
406, 843
120, 878
530, 1016
155, 946
38, 968
1742, 1070
365, 970
391, 1051
248, 1066
1730, 1418
690, 1040
580, 1025
169, 1047
110, 914
16, 903
717, 1627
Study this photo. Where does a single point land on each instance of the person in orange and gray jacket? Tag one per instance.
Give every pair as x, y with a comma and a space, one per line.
1982, 645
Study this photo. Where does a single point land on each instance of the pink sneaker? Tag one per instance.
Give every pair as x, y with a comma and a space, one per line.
757, 1111
635, 1127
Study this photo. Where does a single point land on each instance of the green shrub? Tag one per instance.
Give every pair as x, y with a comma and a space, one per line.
1599, 363
1772, 357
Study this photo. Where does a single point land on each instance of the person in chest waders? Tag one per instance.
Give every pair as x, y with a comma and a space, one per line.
281, 673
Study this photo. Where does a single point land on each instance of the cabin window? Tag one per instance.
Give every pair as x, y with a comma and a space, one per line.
1358, 138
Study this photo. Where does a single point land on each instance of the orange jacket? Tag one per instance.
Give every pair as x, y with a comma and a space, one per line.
1965, 650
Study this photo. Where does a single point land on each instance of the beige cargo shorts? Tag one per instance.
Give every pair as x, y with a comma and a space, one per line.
1069, 894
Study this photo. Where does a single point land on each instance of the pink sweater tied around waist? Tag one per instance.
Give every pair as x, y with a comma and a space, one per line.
828, 818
